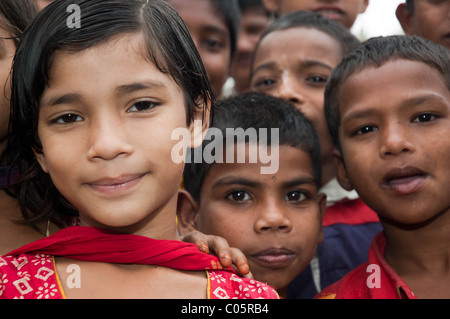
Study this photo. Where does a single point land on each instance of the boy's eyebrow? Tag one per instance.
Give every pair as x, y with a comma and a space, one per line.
299, 181
230, 180
413, 101
305, 64
62, 99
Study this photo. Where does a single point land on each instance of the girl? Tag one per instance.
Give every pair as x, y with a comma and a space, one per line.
93, 110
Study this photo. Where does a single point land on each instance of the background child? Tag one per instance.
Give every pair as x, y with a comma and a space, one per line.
275, 219
214, 27
394, 151
80, 139
426, 18
293, 61
254, 20
343, 11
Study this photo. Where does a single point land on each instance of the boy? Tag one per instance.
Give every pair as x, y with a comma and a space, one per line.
427, 18
394, 151
343, 11
275, 219
214, 27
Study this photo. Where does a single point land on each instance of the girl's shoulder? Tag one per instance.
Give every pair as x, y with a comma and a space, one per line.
28, 276
227, 285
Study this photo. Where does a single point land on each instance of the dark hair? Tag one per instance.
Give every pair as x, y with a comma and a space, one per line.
410, 5
169, 46
375, 53
15, 15
229, 9
313, 20
248, 4
258, 111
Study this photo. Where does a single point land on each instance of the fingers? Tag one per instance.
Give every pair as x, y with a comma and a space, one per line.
198, 239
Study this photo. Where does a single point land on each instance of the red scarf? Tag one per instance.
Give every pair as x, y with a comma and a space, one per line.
100, 245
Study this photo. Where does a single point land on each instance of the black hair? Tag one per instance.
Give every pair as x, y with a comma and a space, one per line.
170, 48
375, 53
248, 4
15, 15
313, 20
410, 5
229, 9
258, 111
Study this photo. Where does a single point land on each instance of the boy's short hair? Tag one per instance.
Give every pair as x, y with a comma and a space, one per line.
313, 20
258, 111
410, 5
375, 53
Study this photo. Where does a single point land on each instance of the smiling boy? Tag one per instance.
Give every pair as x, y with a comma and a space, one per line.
394, 151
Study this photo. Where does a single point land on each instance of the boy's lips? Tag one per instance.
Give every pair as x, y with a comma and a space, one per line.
405, 180
330, 12
274, 257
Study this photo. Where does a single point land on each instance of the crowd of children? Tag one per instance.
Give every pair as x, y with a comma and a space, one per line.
314, 164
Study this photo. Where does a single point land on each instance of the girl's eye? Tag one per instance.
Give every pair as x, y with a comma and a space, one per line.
67, 119
295, 196
425, 117
239, 196
141, 106
365, 129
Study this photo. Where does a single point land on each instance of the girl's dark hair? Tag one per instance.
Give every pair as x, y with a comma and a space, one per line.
229, 9
169, 47
15, 15
313, 20
258, 111
375, 53
410, 5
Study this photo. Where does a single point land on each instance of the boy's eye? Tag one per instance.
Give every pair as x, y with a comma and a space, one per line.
67, 119
365, 129
425, 117
264, 83
239, 196
317, 79
141, 106
295, 196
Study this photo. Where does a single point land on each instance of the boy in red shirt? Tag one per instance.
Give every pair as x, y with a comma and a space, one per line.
388, 110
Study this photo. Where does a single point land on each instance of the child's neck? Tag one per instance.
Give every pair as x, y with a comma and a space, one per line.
421, 255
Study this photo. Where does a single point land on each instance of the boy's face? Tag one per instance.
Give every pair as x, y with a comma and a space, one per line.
394, 133
274, 219
430, 20
294, 65
343, 11
105, 124
211, 36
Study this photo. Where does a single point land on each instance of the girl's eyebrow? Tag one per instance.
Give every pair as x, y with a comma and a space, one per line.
138, 86
120, 90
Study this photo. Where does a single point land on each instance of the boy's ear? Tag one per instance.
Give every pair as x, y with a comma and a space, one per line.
187, 210
40, 156
342, 176
405, 18
364, 6
200, 124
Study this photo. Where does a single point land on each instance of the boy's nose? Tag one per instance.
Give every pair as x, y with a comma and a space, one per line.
272, 218
395, 140
290, 90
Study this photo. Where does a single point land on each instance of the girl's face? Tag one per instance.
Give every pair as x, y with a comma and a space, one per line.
211, 36
7, 50
105, 124
294, 65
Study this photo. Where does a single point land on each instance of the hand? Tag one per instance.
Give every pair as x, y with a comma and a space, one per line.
228, 257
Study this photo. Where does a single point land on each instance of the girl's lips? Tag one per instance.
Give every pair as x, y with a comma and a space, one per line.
274, 257
116, 186
404, 181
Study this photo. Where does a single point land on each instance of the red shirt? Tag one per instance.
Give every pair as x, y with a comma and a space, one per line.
374, 279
